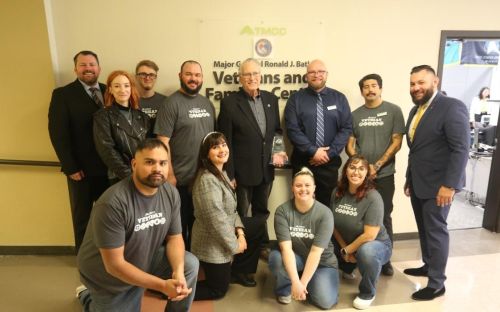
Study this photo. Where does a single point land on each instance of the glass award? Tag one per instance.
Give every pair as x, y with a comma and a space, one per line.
278, 153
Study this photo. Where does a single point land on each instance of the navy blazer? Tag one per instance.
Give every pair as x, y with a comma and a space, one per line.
250, 151
440, 148
70, 128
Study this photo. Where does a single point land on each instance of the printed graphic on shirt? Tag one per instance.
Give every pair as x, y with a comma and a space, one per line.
151, 112
301, 231
371, 122
151, 219
198, 113
346, 209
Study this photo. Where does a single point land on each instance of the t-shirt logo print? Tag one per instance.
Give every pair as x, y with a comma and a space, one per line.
301, 231
149, 220
347, 209
198, 113
371, 122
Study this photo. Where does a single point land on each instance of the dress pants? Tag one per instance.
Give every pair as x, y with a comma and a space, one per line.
434, 237
82, 195
256, 197
187, 214
385, 187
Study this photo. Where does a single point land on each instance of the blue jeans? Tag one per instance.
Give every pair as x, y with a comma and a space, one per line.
323, 288
370, 256
131, 299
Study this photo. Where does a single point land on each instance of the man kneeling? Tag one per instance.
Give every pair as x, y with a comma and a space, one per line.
123, 251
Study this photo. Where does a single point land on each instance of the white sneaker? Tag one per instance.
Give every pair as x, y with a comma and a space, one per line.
285, 299
79, 290
362, 304
348, 276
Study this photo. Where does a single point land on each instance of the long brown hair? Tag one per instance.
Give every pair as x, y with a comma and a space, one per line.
134, 94
343, 184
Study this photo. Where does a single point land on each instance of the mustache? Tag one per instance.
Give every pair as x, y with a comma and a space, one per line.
192, 81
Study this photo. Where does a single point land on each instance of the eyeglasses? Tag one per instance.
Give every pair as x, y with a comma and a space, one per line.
146, 75
358, 169
317, 73
249, 75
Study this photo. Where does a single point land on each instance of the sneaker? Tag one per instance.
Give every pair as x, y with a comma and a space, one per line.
285, 299
362, 304
79, 290
348, 276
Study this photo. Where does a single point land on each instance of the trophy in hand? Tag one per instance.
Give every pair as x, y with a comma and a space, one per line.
278, 153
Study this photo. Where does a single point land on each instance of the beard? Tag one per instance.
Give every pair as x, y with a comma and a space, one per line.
152, 180
188, 90
427, 96
89, 80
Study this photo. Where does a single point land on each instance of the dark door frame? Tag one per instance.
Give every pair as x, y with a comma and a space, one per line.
491, 219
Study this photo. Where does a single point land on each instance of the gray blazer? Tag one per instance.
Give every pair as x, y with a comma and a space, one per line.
214, 237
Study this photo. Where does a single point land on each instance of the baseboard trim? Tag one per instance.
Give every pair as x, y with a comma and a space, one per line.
405, 236
37, 250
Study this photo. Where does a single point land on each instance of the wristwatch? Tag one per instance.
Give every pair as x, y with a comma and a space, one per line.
343, 252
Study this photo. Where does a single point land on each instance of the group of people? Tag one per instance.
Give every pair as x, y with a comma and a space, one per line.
119, 143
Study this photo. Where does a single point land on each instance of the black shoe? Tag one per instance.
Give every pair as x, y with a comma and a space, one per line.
243, 279
387, 269
428, 293
422, 271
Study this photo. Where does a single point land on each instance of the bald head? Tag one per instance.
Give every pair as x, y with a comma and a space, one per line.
317, 75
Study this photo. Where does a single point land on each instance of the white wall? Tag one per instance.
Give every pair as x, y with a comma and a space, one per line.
388, 37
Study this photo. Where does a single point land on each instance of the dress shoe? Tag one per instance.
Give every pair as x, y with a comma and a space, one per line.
387, 269
422, 271
428, 293
243, 279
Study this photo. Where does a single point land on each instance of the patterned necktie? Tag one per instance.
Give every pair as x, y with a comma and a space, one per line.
418, 116
320, 123
95, 97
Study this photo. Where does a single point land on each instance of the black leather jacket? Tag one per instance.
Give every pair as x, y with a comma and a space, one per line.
116, 139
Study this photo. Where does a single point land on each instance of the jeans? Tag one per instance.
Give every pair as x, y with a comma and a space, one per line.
131, 299
370, 257
323, 288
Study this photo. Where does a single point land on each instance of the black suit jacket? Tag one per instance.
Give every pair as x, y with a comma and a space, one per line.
250, 151
440, 148
70, 128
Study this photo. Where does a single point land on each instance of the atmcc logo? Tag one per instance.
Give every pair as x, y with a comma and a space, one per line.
270, 31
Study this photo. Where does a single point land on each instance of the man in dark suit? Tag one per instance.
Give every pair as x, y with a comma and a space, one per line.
70, 127
250, 119
438, 138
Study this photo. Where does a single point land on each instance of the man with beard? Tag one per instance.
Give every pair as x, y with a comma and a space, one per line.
438, 138
378, 128
181, 124
70, 128
318, 123
146, 72
134, 241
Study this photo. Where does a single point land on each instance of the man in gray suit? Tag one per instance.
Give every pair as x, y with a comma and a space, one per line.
438, 138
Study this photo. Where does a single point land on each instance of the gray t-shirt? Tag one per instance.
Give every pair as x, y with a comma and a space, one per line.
351, 216
185, 120
314, 227
373, 129
151, 105
125, 217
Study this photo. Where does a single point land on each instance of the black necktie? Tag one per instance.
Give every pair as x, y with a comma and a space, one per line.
96, 99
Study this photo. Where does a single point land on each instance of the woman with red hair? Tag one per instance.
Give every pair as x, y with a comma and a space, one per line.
120, 125
360, 236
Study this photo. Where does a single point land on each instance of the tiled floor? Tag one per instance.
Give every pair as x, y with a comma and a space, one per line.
47, 283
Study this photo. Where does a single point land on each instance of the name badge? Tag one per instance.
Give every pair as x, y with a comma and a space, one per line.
382, 114
331, 107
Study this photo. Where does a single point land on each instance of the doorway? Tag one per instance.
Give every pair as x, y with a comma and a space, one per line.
470, 71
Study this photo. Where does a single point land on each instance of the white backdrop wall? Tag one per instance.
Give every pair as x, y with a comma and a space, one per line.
356, 37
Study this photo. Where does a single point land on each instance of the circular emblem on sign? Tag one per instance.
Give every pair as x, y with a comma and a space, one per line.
263, 47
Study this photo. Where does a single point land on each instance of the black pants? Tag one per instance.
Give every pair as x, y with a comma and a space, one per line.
218, 276
82, 195
325, 176
385, 186
257, 197
187, 214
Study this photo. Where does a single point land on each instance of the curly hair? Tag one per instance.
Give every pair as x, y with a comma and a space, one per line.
343, 183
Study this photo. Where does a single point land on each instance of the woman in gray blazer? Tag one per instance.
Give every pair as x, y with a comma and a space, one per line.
227, 247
